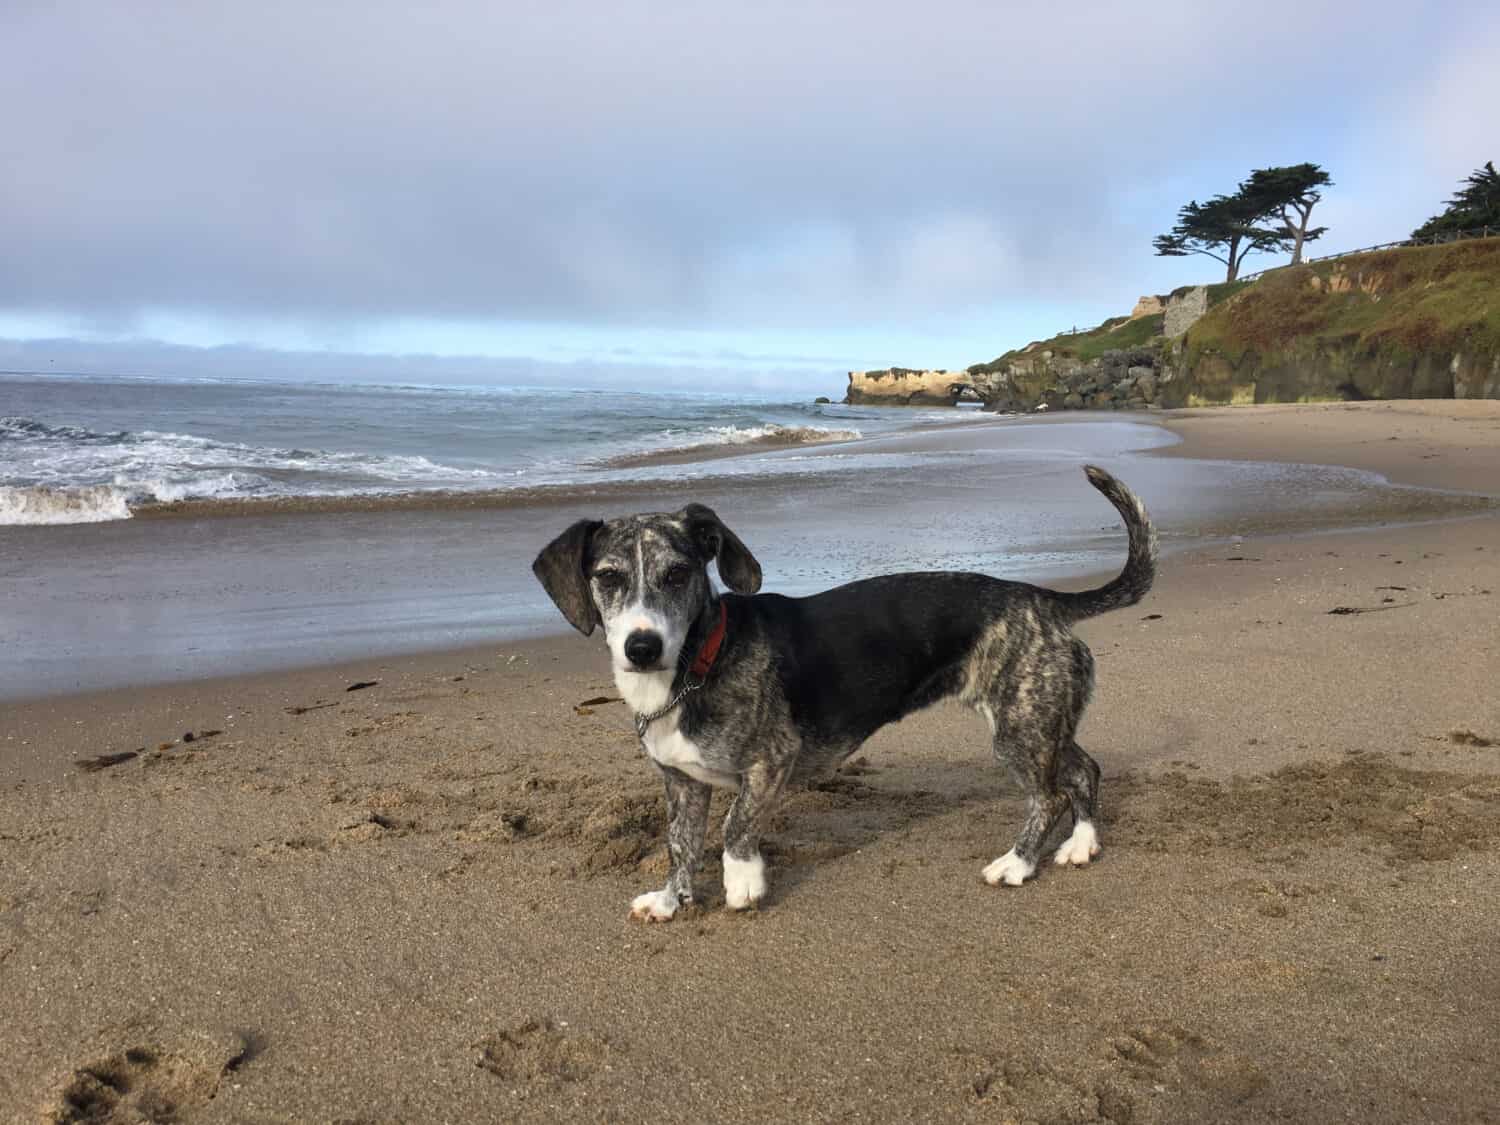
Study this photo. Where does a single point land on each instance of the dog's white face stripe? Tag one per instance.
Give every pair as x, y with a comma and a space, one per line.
636, 618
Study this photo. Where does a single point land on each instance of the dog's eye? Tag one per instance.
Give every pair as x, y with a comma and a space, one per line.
678, 575
609, 579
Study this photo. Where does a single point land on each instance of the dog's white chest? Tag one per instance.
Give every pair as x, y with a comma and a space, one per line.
665, 744
669, 747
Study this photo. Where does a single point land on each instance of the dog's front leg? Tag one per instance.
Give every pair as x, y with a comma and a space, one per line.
687, 820
744, 869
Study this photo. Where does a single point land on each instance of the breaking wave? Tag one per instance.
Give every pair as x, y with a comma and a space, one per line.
69, 474
719, 441
43, 505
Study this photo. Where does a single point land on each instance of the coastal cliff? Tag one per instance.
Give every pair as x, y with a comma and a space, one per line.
1119, 364
900, 386
1417, 322
1412, 322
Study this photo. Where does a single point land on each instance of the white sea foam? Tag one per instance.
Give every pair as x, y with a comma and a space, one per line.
43, 505
214, 486
98, 503
69, 474
682, 445
773, 434
84, 452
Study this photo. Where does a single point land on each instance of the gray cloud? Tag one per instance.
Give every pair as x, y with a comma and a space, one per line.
678, 164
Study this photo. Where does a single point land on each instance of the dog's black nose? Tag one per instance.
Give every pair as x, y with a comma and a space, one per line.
643, 649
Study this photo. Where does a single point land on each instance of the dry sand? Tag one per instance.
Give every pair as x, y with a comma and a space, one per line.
408, 902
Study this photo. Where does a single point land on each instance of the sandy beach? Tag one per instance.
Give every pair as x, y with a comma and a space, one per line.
407, 902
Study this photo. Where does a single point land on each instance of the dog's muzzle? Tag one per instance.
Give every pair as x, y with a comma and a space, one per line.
643, 649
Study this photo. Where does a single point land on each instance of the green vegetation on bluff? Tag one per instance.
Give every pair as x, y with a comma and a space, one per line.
1217, 293
1407, 322
1385, 305
1118, 333
1474, 207
1115, 334
1412, 322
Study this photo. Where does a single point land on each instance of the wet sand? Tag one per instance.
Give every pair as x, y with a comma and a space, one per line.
407, 902
1439, 443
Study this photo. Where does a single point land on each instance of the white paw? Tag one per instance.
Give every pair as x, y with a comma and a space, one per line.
744, 882
1009, 869
1080, 847
654, 906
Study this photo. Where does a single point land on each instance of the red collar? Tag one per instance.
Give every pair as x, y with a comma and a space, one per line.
711, 645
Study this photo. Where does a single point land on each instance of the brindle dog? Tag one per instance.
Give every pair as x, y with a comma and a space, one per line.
793, 686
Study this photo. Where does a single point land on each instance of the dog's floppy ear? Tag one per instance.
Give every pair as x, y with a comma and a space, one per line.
562, 569
737, 566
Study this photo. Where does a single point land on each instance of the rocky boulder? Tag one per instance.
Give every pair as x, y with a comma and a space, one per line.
1124, 378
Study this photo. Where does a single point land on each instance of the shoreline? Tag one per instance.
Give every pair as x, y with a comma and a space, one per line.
1439, 462
299, 593
1190, 425
1460, 455
146, 717
539, 495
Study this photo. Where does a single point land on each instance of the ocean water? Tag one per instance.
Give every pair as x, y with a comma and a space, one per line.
92, 594
90, 449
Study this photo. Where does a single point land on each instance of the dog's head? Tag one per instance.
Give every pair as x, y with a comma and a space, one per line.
644, 578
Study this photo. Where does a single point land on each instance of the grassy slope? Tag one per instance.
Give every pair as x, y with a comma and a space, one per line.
1216, 293
1389, 305
1387, 323
1117, 332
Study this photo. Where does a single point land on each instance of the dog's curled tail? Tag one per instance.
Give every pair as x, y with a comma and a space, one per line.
1132, 583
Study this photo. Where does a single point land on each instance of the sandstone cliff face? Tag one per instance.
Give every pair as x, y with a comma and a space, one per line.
1415, 322
1148, 305
1325, 372
899, 386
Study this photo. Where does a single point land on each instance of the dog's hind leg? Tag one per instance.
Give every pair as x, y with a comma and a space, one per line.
744, 869
1078, 777
1018, 749
687, 821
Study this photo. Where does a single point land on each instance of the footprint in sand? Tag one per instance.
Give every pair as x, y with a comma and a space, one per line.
1115, 1082
541, 1050
1166, 1054
147, 1083
1029, 1089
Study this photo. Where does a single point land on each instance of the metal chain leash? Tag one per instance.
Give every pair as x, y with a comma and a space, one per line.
689, 685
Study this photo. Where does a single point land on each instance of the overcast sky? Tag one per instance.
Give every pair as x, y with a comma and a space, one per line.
768, 191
